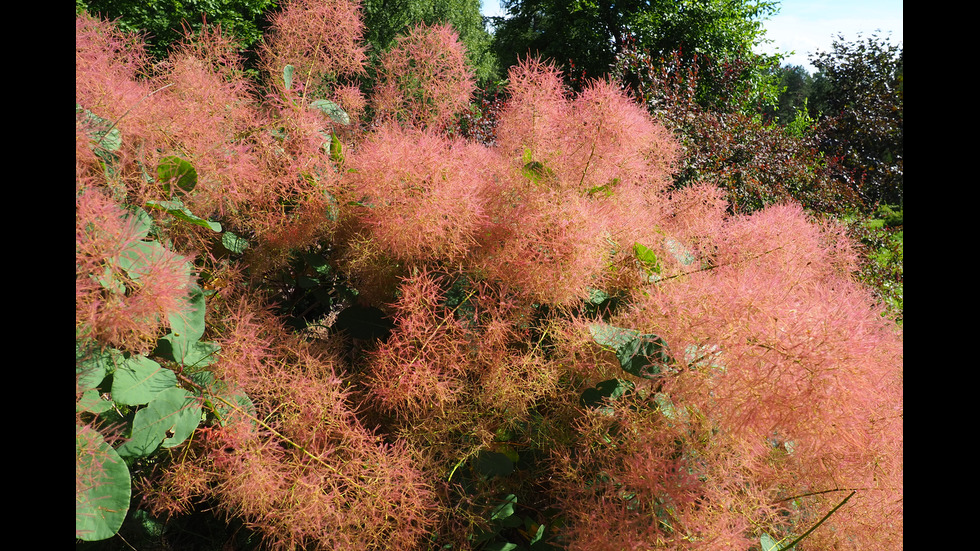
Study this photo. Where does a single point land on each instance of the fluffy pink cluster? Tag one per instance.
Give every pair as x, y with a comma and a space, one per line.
125, 290
424, 79
573, 187
420, 191
791, 386
599, 141
303, 471
321, 39
544, 211
418, 370
197, 105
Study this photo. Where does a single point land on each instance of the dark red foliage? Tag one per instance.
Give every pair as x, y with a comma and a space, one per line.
755, 162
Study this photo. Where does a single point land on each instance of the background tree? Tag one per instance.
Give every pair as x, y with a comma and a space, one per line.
584, 36
164, 21
865, 115
756, 163
796, 87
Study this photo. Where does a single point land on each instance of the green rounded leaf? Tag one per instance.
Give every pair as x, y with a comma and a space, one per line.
201, 354
669, 410
102, 132
223, 400
287, 75
141, 221
188, 326
174, 169
179, 211
187, 352
647, 258
240, 404
166, 421
102, 486
505, 509
91, 401
608, 335
704, 357
92, 365
332, 110
538, 534
767, 543
234, 244
336, 149
598, 296
644, 356
138, 380
317, 262
605, 391
139, 258
535, 171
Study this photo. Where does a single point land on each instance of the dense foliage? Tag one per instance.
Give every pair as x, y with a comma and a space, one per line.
865, 110
584, 38
385, 20
164, 22
757, 163
799, 91
313, 317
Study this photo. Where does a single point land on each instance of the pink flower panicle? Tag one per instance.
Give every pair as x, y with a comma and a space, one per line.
321, 39
424, 80
125, 289
422, 191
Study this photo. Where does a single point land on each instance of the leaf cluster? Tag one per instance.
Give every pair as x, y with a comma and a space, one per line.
864, 116
755, 162
144, 402
165, 22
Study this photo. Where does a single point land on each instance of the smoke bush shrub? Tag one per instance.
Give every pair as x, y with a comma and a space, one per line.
572, 183
756, 382
806, 376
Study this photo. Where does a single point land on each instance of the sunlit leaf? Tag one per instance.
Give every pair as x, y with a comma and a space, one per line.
102, 487
332, 110
174, 169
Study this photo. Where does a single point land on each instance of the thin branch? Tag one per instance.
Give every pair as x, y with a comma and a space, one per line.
817, 493
821, 521
713, 266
